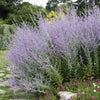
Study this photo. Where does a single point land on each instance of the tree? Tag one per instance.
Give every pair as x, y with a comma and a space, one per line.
82, 5
7, 6
53, 4
13, 9
26, 12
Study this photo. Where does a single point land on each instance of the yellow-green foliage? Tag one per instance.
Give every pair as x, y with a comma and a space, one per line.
61, 15
52, 15
88, 75
3, 62
2, 21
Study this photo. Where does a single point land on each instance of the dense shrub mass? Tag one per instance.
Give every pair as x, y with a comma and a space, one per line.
5, 32
66, 48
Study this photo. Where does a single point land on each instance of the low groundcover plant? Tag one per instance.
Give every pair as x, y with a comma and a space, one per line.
45, 57
84, 90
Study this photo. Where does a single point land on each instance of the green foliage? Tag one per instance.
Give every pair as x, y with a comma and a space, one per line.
89, 62
53, 4
82, 5
83, 64
6, 33
13, 10
56, 78
85, 90
7, 6
2, 21
26, 12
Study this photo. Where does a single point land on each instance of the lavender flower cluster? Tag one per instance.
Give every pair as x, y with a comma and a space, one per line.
28, 58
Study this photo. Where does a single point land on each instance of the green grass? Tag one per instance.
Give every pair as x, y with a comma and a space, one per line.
9, 94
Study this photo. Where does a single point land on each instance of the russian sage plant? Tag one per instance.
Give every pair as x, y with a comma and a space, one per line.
43, 58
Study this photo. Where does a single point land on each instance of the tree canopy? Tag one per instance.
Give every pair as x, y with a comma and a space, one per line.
17, 10
7, 6
26, 12
85, 4
53, 4
80, 5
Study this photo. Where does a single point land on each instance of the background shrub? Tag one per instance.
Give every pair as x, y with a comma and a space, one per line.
2, 21
6, 33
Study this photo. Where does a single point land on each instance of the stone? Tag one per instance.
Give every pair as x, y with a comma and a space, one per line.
14, 88
2, 74
64, 95
8, 75
25, 99
1, 84
8, 69
21, 92
19, 99
5, 83
2, 91
1, 71
1, 80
